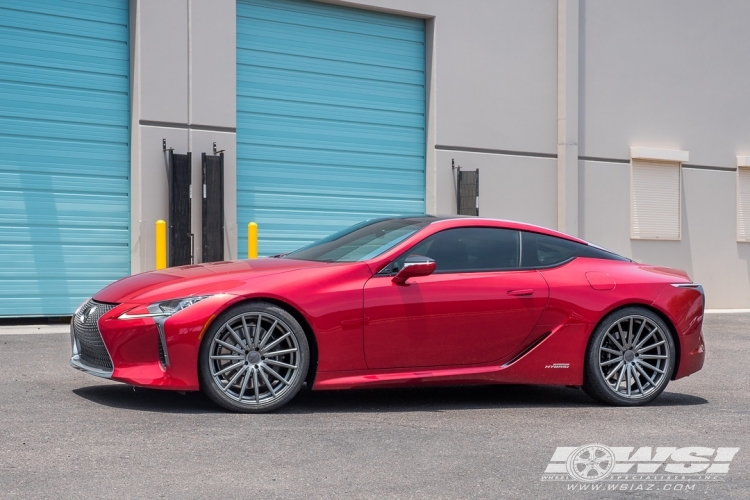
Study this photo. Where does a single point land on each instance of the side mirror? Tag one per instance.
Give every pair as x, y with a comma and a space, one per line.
414, 265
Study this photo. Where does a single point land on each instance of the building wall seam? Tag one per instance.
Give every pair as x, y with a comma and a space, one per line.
188, 126
495, 151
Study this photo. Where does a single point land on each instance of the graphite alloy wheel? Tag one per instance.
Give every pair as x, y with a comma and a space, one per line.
254, 358
630, 358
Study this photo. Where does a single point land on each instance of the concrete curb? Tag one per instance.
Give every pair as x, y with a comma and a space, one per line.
33, 329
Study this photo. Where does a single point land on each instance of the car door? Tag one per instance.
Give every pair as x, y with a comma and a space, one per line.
477, 307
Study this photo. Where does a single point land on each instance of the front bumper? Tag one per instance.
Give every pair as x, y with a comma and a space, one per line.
76, 363
141, 352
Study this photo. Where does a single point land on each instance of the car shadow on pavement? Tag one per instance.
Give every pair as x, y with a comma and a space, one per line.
136, 398
428, 399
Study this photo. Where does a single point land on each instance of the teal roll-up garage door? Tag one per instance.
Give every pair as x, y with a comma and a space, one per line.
64, 152
330, 119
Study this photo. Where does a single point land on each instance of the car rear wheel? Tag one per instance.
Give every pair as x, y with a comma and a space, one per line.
254, 358
630, 358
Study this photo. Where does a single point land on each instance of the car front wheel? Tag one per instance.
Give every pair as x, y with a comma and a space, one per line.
254, 358
630, 358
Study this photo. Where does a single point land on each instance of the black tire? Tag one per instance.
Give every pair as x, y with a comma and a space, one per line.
639, 369
229, 365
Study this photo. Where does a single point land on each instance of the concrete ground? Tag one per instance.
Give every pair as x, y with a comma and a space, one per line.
65, 434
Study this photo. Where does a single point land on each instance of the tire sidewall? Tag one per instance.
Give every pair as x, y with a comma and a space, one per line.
207, 384
594, 383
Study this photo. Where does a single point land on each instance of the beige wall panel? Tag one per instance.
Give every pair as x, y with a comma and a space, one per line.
445, 180
510, 187
708, 250
213, 49
719, 262
163, 59
604, 207
668, 74
151, 195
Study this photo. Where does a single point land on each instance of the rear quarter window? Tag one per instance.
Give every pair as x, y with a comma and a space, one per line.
540, 250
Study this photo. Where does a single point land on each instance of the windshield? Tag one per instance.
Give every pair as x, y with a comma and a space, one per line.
360, 242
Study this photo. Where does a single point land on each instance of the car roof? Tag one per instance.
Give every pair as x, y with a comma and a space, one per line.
468, 220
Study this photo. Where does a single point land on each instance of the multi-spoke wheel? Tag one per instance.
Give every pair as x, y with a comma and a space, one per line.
254, 358
630, 358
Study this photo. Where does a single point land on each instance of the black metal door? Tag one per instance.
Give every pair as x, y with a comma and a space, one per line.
180, 236
467, 192
213, 207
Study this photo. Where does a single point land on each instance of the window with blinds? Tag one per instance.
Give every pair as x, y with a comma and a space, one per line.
743, 204
655, 200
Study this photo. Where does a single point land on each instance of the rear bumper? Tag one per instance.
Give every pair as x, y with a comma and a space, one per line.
692, 357
684, 305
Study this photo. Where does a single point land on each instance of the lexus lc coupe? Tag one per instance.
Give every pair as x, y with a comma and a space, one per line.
400, 301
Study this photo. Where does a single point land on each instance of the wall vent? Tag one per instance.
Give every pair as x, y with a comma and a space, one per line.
743, 204
467, 191
654, 200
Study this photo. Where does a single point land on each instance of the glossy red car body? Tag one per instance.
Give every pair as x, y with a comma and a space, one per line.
367, 331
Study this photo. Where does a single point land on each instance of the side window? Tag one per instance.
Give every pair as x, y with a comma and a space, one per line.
540, 250
468, 249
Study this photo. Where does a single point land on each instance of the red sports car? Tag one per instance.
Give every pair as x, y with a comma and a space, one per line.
400, 301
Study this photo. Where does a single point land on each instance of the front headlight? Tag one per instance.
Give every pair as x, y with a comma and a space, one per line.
164, 308
170, 307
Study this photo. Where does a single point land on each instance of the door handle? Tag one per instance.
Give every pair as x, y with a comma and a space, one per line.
521, 293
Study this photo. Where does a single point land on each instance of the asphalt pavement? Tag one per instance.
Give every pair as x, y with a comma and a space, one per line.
64, 434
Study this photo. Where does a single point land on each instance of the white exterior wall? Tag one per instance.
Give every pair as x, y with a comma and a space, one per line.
668, 75
517, 89
708, 250
510, 187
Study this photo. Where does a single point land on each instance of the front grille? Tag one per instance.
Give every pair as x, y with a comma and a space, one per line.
88, 338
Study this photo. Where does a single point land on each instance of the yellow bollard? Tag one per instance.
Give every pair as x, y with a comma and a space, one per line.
161, 244
252, 240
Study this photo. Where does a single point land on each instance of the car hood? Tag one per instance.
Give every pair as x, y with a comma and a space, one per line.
197, 279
